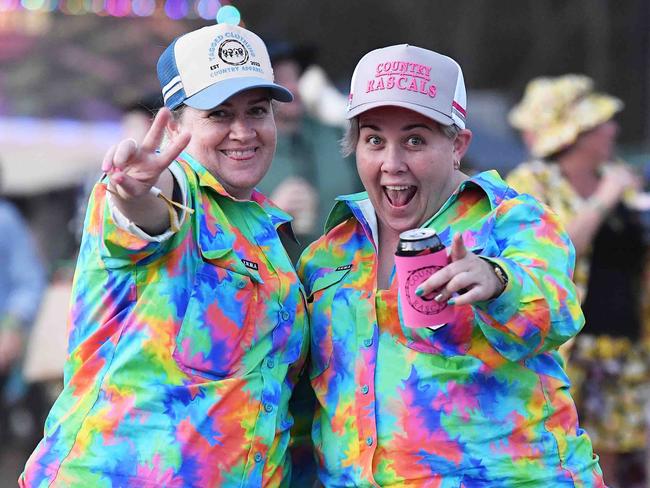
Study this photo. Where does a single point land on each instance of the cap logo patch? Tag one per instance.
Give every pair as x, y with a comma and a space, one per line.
233, 52
231, 55
402, 75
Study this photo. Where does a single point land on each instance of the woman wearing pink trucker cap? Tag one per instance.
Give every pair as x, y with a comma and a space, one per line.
187, 320
481, 400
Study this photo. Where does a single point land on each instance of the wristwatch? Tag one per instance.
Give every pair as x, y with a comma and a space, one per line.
500, 274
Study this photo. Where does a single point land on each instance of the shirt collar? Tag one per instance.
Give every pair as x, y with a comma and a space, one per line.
492, 185
206, 179
489, 182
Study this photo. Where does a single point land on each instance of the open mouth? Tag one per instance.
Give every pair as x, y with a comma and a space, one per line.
399, 195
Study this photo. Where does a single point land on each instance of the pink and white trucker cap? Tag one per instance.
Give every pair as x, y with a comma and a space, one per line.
205, 67
410, 77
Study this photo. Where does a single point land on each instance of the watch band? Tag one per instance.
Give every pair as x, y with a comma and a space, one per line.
499, 273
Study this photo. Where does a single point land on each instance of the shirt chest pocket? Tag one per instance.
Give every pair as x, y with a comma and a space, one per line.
328, 299
220, 323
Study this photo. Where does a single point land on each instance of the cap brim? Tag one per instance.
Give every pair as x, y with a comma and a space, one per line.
216, 94
427, 112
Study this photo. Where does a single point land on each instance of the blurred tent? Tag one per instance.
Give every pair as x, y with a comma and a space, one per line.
41, 155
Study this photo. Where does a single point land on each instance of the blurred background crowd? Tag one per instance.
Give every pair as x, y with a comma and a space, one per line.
77, 75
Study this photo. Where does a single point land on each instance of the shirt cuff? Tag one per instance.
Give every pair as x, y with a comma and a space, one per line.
125, 224
503, 307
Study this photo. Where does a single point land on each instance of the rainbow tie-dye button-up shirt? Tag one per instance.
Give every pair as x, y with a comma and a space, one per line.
480, 402
182, 354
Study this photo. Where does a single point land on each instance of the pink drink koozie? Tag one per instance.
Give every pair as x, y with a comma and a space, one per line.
421, 311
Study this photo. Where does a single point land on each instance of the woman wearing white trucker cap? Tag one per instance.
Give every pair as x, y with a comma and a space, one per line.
481, 400
187, 323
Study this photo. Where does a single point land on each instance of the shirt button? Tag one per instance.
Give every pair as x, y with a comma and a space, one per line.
369, 441
270, 363
367, 342
268, 407
365, 389
258, 457
285, 315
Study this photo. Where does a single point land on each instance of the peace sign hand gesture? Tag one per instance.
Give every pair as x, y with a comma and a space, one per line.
134, 170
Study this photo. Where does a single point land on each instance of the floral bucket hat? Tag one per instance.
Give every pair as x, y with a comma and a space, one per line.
555, 111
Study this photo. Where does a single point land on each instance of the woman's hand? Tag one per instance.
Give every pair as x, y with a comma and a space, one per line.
467, 274
134, 169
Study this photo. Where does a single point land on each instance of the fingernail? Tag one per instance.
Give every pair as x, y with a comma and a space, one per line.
438, 297
419, 292
451, 301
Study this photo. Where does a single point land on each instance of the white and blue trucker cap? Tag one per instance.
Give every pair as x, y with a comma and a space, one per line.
205, 67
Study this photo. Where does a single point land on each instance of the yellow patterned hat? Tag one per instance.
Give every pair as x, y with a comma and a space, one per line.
554, 111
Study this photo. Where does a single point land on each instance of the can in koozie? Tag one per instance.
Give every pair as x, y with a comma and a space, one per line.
420, 253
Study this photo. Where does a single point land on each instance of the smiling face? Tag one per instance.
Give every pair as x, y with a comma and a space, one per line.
235, 141
406, 164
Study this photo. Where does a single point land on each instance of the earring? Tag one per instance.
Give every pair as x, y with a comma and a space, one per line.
457, 164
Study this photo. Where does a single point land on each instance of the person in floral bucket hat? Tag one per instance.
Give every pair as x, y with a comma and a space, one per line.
570, 131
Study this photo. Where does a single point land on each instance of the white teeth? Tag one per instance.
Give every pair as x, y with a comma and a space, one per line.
240, 153
397, 188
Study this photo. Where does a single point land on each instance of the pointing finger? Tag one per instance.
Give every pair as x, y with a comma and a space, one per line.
458, 249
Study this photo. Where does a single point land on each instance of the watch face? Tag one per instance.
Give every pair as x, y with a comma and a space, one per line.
503, 278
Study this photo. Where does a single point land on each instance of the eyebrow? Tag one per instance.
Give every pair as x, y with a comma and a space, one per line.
404, 129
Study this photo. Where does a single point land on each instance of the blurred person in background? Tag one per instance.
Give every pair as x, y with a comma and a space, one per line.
480, 401
570, 131
308, 171
22, 282
187, 322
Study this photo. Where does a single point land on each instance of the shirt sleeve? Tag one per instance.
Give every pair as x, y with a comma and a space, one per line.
123, 242
124, 223
539, 309
27, 276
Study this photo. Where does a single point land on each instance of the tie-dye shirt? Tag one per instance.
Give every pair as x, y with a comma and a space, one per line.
182, 353
481, 402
